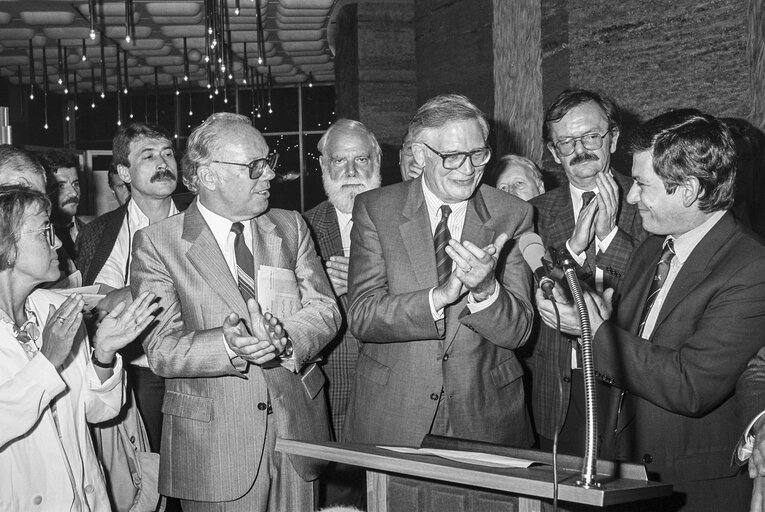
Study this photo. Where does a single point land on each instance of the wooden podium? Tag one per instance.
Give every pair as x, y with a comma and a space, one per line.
411, 482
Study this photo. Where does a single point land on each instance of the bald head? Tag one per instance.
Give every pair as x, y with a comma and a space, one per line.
20, 167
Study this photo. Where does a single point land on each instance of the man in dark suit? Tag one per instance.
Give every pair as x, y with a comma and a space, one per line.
236, 378
63, 172
581, 130
350, 164
438, 295
144, 157
687, 318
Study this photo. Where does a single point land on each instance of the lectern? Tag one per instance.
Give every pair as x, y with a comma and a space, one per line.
414, 482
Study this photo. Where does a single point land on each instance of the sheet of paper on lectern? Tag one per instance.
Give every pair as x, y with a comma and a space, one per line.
478, 458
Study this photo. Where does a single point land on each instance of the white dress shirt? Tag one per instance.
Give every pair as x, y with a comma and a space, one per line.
346, 223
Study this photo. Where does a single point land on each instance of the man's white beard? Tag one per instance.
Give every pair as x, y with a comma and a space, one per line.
342, 197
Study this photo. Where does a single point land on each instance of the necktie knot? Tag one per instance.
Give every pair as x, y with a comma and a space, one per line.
669, 251
445, 211
587, 198
237, 228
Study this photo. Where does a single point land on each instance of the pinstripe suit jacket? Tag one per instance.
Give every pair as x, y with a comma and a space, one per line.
214, 424
550, 359
407, 358
341, 354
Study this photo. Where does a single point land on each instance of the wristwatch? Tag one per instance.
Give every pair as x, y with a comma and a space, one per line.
287, 350
107, 366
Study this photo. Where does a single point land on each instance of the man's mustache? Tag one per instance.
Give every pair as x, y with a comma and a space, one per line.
584, 157
162, 175
72, 200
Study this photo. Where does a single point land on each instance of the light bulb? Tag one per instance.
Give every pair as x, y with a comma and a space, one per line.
131, 116
93, 105
66, 90
84, 58
60, 81
236, 11
177, 92
31, 96
127, 38
92, 34
125, 90
225, 100
119, 123
191, 113
103, 95
67, 118
46, 126
260, 60
76, 108
185, 78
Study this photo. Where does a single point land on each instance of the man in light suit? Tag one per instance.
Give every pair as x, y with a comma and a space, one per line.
350, 165
236, 378
581, 130
439, 326
687, 318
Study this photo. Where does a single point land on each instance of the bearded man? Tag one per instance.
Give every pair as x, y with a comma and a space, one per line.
350, 164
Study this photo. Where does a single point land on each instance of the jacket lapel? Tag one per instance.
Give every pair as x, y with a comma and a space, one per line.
637, 284
207, 258
330, 232
417, 236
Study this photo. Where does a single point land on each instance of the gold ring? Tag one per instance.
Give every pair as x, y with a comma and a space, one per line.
60, 320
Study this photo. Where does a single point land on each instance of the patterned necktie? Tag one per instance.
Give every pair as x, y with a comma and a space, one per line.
244, 263
440, 241
662, 269
587, 198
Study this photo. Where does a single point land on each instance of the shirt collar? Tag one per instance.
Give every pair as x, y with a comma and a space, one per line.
343, 219
434, 203
220, 226
687, 242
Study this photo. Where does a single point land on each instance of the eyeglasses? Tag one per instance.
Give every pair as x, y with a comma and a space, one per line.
51, 234
451, 161
591, 141
256, 167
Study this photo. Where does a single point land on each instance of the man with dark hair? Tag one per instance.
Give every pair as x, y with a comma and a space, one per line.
587, 219
20, 167
144, 157
686, 318
119, 188
63, 172
438, 296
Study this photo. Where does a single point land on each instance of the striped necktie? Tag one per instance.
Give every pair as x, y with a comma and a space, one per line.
440, 241
244, 263
662, 270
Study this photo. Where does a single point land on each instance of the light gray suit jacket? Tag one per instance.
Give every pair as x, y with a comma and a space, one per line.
407, 357
215, 408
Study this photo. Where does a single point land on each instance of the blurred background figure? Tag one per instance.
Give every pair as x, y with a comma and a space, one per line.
119, 188
53, 383
519, 176
749, 206
20, 167
409, 168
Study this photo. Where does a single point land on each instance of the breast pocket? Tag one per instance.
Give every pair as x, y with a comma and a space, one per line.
372, 370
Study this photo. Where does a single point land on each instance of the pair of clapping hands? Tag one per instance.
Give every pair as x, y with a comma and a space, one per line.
265, 340
117, 329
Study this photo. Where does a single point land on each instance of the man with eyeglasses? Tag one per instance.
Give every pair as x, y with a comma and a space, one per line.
438, 296
589, 220
237, 377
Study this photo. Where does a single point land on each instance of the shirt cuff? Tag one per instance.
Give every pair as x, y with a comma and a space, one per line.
602, 245
475, 307
746, 445
579, 258
438, 314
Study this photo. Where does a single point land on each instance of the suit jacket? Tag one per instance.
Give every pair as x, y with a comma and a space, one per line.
550, 356
96, 239
681, 381
67, 252
341, 354
407, 358
215, 408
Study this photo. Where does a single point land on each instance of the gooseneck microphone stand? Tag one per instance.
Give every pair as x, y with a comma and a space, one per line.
591, 407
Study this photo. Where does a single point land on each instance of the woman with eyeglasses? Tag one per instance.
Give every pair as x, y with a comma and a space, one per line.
52, 383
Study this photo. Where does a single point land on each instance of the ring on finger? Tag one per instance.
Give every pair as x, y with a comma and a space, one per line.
60, 320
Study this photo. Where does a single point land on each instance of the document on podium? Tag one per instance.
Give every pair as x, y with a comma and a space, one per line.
478, 458
278, 294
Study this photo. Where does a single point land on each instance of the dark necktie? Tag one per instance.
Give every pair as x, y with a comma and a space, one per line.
440, 241
662, 269
587, 198
244, 263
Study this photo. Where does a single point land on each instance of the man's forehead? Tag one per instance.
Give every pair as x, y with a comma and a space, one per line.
585, 115
350, 139
142, 144
64, 173
455, 131
514, 171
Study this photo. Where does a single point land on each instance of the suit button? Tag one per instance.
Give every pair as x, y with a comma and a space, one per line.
37, 500
567, 379
647, 458
89, 488
262, 406
434, 396
446, 357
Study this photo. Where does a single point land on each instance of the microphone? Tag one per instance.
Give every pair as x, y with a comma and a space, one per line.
533, 252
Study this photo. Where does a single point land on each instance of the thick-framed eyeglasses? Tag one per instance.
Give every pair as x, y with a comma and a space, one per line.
451, 161
591, 141
50, 233
256, 167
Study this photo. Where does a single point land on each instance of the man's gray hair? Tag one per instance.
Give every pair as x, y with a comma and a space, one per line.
203, 141
443, 109
18, 160
508, 160
345, 125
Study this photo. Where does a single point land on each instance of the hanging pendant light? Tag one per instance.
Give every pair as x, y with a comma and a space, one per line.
92, 87
76, 92
84, 51
31, 71
66, 72
45, 88
245, 65
103, 71
125, 71
92, 12
156, 95
236, 8
185, 61
191, 111
60, 67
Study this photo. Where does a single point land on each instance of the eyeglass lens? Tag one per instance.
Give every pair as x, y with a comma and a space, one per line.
590, 141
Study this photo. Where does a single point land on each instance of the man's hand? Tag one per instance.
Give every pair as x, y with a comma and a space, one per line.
337, 270
598, 308
276, 332
608, 205
584, 230
758, 495
254, 346
475, 266
60, 330
414, 169
114, 297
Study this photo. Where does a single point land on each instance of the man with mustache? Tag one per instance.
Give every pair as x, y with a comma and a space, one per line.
350, 164
589, 220
63, 172
144, 157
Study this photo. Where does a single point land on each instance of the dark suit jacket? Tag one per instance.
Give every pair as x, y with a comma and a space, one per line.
214, 410
682, 379
341, 354
407, 358
96, 239
67, 252
550, 355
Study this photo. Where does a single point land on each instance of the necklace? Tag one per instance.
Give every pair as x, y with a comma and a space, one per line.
27, 334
